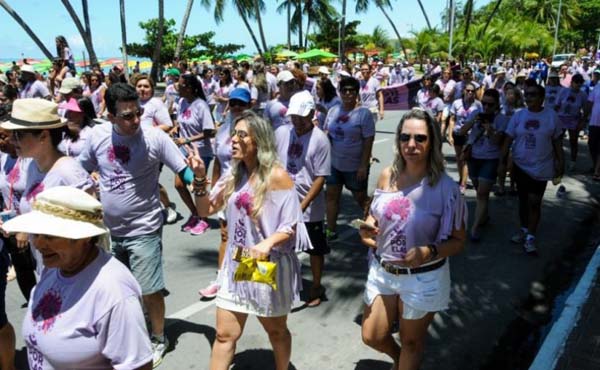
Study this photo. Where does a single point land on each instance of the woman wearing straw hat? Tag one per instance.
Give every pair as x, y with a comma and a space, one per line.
37, 130
86, 300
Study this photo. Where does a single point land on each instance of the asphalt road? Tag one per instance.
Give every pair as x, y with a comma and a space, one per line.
488, 278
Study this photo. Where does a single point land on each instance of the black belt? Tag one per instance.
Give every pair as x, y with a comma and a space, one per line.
399, 270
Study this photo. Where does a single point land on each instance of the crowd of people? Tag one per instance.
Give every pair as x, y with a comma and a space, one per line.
269, 150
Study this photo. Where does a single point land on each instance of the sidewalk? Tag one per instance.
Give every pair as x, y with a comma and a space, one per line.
574, 340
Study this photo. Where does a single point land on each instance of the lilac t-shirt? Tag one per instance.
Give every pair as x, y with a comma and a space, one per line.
347, 132
13, 179
461, 112
223, 92
73, 148
417, 216
447, 89
422, 97
434, 106
552, 93
305, 158
594, 98
460, 86
368, 93
570, 104
483, 147
223, 144
193, 119
92, 320
209, 87
35, 89
275, 112
155, 113
533, 134
96, 97
328, 105
129, 171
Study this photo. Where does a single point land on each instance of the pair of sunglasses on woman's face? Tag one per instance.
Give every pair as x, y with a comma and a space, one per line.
419, 138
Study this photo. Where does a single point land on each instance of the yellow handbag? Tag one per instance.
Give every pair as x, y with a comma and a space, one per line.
251, 269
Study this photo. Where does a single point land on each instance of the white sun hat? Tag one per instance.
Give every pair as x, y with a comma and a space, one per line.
29, 114
301, 104
61, 211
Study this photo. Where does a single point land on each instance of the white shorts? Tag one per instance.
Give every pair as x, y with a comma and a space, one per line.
419, 293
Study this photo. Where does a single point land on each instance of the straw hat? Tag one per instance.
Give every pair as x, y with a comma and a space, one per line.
69, 84
27, 68
30, 114
61, 211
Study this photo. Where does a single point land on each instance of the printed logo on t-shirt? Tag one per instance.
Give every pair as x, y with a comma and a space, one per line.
244, 202
187, 113
47, 310
282, 111
343, 118
530, 141
120, 152
37, 188
532, 124
36, 358
398, 211
295, 151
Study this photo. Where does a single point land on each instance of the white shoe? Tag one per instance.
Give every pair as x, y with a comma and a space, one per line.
158, 351
519, 237
171, 215
529, 246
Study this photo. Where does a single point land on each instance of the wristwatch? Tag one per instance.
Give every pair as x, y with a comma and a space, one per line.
433, 251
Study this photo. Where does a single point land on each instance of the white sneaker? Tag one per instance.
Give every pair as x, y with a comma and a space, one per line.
171, 215
158, 351
519, 237
529, 245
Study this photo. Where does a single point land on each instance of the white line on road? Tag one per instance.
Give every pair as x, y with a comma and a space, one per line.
380, 141
191, 310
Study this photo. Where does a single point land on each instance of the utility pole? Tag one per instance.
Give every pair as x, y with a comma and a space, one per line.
556, 30
452, 8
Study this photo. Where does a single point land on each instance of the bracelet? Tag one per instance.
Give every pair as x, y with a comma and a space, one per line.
433, 251
201, 193
200, 180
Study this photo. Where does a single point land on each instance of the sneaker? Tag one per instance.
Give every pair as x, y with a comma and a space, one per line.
210, 291
171, 215
158, 351
190, 223
200, 228
519, 237
529, 245
331, 235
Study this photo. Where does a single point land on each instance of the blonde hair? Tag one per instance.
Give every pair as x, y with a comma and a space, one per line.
435, 158
262, 134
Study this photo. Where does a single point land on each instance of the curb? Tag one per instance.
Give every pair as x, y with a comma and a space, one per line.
554, 344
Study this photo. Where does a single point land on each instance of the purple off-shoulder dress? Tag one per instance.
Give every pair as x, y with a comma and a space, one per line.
281, 212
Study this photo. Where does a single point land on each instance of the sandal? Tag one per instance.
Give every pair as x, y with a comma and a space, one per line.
316, 295
596, 177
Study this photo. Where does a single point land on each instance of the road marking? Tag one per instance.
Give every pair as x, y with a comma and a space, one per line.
380, 141
191, 310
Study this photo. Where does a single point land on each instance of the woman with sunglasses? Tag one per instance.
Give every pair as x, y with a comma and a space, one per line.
37, 131
239, 101
196, 128
570, 105
222, 94
537, 158
416, 221
264, 219
276, 109
80, 117
460, 110
486, 132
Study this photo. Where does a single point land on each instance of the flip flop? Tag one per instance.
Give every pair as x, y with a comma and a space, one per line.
596, 178
316, 296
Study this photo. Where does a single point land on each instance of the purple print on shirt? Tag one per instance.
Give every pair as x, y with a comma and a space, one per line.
14, 175
282, 111
47, 309
120, 152
36, 359
295, 150
344, 118
532, 124
244, 201
187, 113
398, 209
35, 190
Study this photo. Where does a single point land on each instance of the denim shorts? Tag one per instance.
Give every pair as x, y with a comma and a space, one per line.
483, 169
348, 179
142, 254
4, 263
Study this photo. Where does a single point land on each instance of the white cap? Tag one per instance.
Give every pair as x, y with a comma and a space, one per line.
301, 104
285, 76
500, 70
324, 70
344, 73
27, 68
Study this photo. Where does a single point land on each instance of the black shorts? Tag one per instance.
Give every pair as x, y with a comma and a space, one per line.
527, 184
316, 233
459, 140
4, 263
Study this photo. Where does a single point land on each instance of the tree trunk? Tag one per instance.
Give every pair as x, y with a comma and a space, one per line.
156, 63
468, 13
489, 20
25, 27
342, 32
247, 24
86, 22
124, 38
424, 14
184, 22
260, 26
289, 24
306, 33
299, 7
87, 39
395, 30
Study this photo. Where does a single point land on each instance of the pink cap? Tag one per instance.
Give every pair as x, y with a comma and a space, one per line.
71, 105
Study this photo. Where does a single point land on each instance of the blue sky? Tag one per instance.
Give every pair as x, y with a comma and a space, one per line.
49, 18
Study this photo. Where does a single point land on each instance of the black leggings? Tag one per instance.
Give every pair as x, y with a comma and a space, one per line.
526, 185
24, 265
594, 143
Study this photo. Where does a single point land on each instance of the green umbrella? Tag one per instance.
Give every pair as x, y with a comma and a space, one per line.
241, 57
316, 53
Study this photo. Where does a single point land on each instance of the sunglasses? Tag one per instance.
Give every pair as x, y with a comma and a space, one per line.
469, 91
236, 103
347, 91
240, 133
128, 116
419, 138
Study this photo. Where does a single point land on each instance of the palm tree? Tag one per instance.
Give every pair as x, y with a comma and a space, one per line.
259, 6
468, 17
86, 33
184, 22
424, 14
380, 38
363, 5
492, 15
161, 28
242, 7
25, 27
124, 38
342, 31
317, 12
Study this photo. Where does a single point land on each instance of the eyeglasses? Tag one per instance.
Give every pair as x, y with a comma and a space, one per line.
348, 90
240, 133
236, 103
469, 91
128, 116
419, 138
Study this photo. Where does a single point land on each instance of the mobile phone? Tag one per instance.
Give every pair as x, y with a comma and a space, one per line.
361, 224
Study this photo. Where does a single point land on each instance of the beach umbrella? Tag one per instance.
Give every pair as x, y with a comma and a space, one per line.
315, 53
241, 57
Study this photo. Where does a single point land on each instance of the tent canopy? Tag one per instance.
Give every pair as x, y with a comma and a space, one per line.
286, 54
315, 53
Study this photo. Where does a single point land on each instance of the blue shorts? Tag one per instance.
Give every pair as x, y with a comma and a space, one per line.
4, 263
143, 257
348, 179
483, 169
